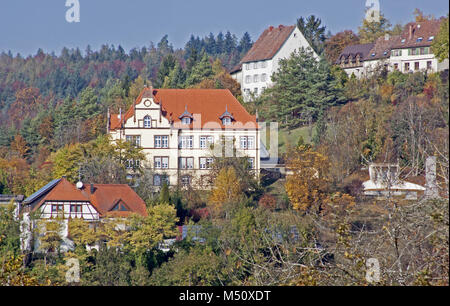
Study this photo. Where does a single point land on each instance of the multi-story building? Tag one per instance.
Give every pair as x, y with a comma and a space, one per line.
412, 52
255, 70
408, 52
61, 200
181, 131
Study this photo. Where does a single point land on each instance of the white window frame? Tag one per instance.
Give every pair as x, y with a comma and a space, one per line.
134, 139
147, 122
186, 120
206, 162
206, 141
226, 121
247, 142
186, 142
186, 163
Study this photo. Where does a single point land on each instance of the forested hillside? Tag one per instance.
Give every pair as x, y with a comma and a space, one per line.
313, 226
48, 101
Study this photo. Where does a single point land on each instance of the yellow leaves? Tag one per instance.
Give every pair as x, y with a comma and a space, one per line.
12, 273
81, 233
308, 179
227, 189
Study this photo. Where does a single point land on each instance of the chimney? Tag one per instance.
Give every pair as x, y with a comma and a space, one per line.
92, 188
431, 190
411, 31
387, 36
270, 28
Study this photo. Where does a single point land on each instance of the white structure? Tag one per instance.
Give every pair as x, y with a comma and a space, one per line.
385, 182
61, 201
176, 128
262, 60
408, 52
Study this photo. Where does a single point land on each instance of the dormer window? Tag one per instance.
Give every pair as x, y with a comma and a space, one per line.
226, 117
403, 40
373, 54
226, 121
186, 117
430, 38
419, 39
147, 122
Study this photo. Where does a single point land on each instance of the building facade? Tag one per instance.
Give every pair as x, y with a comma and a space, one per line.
255, 70
62, 201
408, 52
181, 131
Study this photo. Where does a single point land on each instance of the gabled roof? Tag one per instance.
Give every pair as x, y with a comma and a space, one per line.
268, 44
104, 197
207, 103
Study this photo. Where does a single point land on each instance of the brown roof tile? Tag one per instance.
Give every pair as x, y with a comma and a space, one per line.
350, 52
382, 47
268, 44
415, 30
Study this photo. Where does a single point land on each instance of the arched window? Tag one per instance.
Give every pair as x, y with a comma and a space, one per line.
147, 122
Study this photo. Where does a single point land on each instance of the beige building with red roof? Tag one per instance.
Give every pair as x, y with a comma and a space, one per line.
255, 70
62, 200
176, 127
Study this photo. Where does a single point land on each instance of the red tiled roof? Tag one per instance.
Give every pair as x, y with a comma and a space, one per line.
268, 44
414, 30
104, 198
205, 104
65, 191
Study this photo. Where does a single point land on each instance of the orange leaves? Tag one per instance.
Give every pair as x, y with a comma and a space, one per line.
19, 145
26, 105
267, 201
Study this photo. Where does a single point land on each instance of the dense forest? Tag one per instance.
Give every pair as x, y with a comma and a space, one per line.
313, 227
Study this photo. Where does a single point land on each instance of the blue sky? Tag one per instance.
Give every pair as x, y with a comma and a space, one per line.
26, 25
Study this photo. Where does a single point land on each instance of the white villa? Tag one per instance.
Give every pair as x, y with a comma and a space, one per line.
176, 128
62, 201
262, 60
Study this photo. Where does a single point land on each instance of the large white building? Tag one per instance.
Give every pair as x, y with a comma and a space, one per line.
262, 60
408, 52
176, 128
